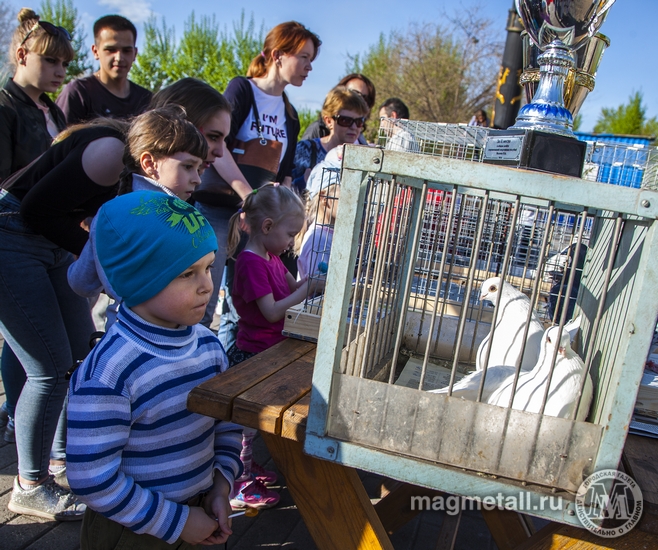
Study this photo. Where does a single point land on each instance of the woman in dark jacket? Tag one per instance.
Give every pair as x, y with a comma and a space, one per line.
39, 55
29, 120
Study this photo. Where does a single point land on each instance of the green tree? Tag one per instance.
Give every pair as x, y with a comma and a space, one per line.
203, 52
6, 32
64, 14
306, 117
443, 73
153, 67
577, 121
628, 119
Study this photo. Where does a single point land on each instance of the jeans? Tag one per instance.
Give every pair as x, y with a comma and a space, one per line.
13, 378
47, 326
218, 217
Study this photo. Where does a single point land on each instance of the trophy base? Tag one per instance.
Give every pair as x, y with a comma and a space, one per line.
536, 150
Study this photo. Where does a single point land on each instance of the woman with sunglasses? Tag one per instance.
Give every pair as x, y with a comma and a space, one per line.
357, 82
344, 114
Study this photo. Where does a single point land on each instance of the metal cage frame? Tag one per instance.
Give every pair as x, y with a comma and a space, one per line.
422, 173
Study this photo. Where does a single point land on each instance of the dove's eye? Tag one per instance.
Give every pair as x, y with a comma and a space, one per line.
548, 339
492, 289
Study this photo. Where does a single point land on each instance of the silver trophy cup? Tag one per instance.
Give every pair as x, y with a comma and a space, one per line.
579, 82
559, 28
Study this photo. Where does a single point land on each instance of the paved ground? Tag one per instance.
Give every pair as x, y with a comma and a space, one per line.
278, 528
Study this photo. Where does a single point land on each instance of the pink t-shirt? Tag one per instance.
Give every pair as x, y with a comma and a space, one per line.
254, 278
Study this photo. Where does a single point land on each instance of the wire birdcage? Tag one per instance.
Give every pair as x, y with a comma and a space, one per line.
629, 165
414, 239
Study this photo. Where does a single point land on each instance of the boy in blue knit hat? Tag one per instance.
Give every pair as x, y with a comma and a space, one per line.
151, 473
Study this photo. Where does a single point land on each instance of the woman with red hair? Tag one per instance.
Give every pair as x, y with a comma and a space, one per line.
263, 137
261, 143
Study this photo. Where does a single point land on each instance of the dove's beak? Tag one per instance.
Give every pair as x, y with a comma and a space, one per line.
561, 351
483, 296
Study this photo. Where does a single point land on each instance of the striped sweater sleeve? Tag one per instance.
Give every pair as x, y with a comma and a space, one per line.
98, 431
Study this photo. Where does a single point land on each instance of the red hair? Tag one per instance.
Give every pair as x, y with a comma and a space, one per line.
288, 38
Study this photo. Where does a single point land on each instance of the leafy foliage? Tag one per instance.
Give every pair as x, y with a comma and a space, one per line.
203, 52
6, 31
628, 119
306, 118
443, 73
64, 14
152, 67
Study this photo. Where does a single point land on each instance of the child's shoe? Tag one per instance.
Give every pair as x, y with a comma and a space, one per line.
266, 477
59, 475
47, 500
253, 494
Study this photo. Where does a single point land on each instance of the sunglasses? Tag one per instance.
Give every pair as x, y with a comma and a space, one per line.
51, 29
347, 121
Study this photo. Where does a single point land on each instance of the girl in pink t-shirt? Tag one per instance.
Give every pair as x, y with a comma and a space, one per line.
263, 290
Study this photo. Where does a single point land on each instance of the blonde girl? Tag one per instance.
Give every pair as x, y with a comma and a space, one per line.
316, 244
263, 290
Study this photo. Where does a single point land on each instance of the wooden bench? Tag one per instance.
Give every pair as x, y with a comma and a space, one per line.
271, 392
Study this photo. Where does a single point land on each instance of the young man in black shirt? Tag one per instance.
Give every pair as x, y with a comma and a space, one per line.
107, 92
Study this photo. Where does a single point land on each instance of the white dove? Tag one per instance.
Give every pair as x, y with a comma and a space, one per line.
510, 322
565, 382
468, 386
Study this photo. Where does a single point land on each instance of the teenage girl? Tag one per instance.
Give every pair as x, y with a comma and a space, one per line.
39, 54
263, 136
164, 153
263, 289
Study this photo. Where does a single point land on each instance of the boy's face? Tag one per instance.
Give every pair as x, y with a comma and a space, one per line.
184, 300
179, 173
115, 52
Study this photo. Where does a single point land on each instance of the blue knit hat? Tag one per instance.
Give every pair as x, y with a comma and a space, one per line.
144, 240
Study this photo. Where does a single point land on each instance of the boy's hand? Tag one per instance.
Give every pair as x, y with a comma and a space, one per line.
216, 505
199, 527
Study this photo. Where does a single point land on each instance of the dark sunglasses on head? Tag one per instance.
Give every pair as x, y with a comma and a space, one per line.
347, 121
51, 29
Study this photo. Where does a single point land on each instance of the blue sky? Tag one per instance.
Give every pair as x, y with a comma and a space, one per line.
350, 26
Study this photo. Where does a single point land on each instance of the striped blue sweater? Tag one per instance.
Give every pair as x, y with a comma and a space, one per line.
134, 452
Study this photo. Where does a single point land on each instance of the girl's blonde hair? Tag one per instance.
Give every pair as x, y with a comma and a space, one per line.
270, 201
163, 132
39, 40
340, 98
312, 208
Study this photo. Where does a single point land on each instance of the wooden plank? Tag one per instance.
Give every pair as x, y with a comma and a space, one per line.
262, 406
568, 537
507, 528
330, 498
448, 532
294, 420
215, 397
394, 509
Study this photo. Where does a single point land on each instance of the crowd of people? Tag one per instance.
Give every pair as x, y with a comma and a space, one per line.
144, 199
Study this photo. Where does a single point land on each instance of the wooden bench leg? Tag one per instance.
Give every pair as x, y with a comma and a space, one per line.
330, 498
394, 509
448, 533
508, 528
